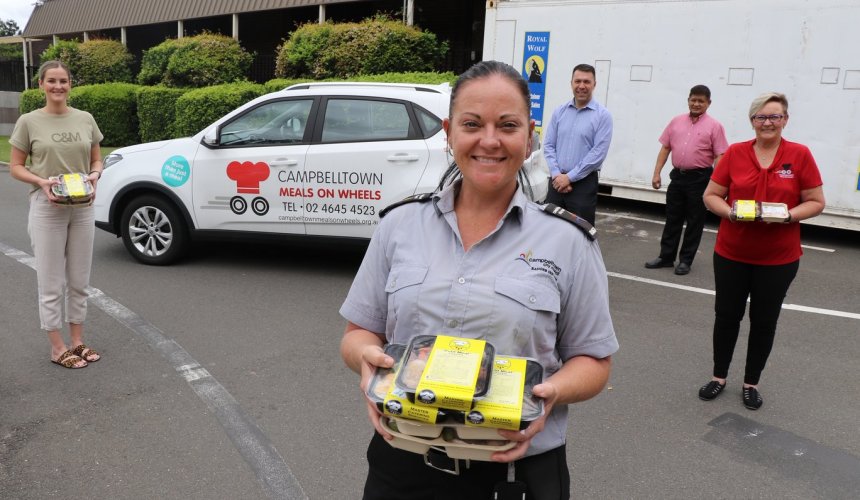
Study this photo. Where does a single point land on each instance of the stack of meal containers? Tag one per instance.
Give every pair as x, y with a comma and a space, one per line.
72, 189
453, 394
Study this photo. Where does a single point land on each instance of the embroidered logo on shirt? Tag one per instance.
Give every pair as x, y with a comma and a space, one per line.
785, 172
536, 264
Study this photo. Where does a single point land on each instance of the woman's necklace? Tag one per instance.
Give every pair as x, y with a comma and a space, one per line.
765, 155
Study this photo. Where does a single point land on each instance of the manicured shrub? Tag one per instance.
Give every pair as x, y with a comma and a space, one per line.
114, 107
102, 61
31, 99
66, 51
200, 107
156, 112
153, 64
346, 49
207, 59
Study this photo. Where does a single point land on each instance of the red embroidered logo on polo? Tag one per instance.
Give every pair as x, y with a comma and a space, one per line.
785, 172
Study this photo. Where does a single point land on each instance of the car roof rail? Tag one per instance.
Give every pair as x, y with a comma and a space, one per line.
442, 88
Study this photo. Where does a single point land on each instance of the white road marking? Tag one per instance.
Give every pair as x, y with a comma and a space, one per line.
254, 446
793, 307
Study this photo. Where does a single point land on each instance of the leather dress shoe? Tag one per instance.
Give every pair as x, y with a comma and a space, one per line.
683, 268
658, 262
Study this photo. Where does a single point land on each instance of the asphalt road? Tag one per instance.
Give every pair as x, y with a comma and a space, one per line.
221, 378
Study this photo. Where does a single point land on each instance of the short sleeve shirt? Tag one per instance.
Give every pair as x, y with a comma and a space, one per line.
56, 144
534, 287
694, 144
792, 171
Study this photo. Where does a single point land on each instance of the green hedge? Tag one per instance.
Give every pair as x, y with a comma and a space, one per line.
114, 106
342, 50
156, 112
31, 99
103, 61
91, 62
153, 64
200, 107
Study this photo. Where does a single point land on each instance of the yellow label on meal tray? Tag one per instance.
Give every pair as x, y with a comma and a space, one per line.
75, 185
452, 370
745, 209
397, 404
502, 407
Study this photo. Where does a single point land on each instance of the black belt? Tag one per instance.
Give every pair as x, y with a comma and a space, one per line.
694, 171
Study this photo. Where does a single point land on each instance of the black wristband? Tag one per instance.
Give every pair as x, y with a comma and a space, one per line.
97, 172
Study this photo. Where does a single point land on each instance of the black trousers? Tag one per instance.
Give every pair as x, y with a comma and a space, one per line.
401, 475
766, 287
684, 203
582, 200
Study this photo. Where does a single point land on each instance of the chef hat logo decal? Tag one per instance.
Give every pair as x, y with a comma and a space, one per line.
248, 176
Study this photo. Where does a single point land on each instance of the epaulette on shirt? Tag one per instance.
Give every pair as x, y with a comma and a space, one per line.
422, 197
579, 222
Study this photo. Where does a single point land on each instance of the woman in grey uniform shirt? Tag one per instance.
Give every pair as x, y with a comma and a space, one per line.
479, 260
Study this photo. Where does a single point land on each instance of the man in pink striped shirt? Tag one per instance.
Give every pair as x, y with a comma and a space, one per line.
696, 142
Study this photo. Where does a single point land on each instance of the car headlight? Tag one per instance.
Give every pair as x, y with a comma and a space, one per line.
111, 159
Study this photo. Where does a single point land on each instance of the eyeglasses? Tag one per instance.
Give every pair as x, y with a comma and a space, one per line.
764, 118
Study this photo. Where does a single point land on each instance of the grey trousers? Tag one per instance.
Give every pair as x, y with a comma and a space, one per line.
62, 241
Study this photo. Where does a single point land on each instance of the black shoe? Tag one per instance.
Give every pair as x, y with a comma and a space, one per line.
683, 268
752, 399
658, 262
711, 390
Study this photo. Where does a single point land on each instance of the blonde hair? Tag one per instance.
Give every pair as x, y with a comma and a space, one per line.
760, 101
53, 65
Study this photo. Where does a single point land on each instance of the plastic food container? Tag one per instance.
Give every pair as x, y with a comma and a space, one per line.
390, 400
484, 416
73, 189
446, 372
749, 210
774, 212
452, 445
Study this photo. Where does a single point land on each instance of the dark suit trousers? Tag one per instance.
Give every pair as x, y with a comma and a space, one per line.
582, 200
684, 203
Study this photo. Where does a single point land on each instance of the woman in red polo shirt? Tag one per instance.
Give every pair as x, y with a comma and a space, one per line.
757, 260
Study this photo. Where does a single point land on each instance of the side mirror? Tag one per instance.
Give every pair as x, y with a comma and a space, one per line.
211, 138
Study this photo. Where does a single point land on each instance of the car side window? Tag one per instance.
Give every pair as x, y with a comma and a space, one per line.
430, 123
277, 123
351, 120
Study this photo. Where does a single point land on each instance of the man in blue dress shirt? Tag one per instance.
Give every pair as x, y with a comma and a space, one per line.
577, 140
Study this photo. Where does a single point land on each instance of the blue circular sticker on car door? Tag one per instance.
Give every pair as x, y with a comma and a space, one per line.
175, 171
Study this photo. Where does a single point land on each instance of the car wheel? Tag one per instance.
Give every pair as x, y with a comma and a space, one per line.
153, 230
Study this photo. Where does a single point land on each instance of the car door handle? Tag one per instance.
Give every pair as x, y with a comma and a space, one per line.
403, 157
284, 162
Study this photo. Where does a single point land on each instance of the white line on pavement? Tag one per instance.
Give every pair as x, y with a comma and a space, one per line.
254, 446
793, 307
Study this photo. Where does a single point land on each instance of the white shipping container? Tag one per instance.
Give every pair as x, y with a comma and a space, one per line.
648, 53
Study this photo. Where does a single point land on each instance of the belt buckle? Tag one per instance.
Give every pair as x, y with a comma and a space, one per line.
439, 460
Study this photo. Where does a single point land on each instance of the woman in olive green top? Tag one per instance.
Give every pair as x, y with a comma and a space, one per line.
59, 140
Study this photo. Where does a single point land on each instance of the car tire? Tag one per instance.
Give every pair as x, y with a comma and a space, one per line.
153, 230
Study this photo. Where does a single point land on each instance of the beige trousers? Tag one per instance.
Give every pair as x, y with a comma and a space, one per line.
62, 241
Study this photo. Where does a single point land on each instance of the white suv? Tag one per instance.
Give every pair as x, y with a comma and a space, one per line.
318, 159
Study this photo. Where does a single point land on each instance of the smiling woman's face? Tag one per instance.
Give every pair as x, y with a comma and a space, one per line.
489, 132
770, 129
56, 84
